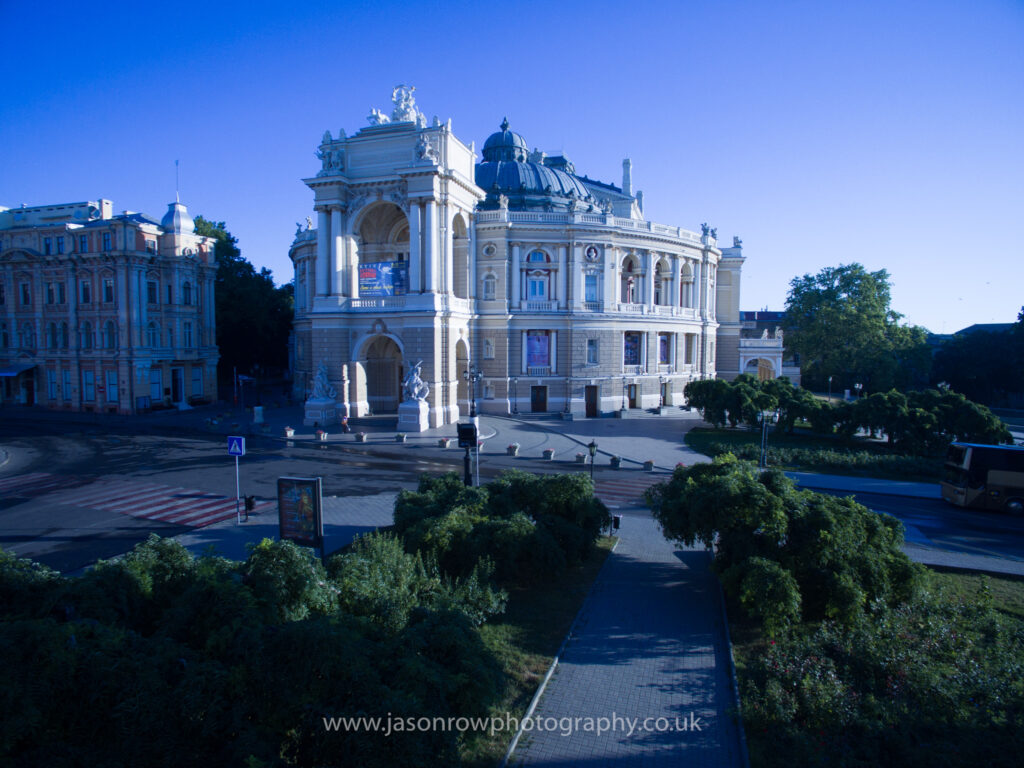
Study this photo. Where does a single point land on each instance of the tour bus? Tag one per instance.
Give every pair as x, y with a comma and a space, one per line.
985, 477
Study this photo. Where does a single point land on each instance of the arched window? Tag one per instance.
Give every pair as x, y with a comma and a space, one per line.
152, 335
630, 290
65, 336
110, 335
51, 336
186, 293
170, 337
490, 284
86, 335
186, 334
5, 340
28, 336
537, 256
686, 285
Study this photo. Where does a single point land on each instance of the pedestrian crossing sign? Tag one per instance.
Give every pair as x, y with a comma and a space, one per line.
236, 446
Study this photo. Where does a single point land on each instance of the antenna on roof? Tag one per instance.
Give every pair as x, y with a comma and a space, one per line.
177, 198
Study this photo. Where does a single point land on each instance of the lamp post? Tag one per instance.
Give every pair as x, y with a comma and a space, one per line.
858, 387
830, 389
661, 391
624, 385
592, 449
515, 395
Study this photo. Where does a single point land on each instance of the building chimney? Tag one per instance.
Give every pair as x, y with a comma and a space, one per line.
627, 176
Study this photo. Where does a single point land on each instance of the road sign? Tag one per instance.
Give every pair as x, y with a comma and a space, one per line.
236, 446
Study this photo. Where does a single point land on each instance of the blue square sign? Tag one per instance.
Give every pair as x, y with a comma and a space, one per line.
236, 446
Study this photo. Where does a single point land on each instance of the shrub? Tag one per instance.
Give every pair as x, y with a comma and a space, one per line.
288, 581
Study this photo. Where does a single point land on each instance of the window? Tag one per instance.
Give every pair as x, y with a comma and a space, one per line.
88, 386
186, 294
170, 295
631, 348
537, 287
489, 286
152, 335
86, 331
106, 241
197, 381
170, 337
151, 246
60, 245
664, 348
51, 385
28, 336
5, 340
110, 335
156, 391
108, 290
26, 294
3, 294
51, 336
64, 336
590, 288
65, 387
536, 256
689, 348
111, 386
630, 288
488, 349
151, 292
592, 352
538, 349
83, 243
51, 294
61, 295
186, 334
85, 292
47, 246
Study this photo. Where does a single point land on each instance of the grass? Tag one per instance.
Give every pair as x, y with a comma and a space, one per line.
525, 639
807, 452
750, 644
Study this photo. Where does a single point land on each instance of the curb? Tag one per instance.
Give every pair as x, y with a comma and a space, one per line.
744, 752
551, 669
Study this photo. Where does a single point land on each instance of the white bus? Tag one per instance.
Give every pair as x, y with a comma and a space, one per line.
985, 477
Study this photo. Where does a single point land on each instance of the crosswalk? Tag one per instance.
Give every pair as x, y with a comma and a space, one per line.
172, 505
625, 492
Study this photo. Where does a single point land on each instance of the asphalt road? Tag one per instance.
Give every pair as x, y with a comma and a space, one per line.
47, 477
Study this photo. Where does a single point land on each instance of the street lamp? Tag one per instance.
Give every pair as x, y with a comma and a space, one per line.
624, 385
830, 389
592, 449
857, 388
661, 391
472, 377
515, 395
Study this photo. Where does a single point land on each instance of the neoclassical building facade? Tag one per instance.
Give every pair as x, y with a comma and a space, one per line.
105, 312
540, 288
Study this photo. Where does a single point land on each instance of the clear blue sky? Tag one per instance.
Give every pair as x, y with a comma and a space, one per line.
888, 133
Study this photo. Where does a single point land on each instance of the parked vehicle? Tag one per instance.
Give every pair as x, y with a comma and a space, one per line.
985, 477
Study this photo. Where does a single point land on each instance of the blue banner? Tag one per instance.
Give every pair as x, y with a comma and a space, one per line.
383, 278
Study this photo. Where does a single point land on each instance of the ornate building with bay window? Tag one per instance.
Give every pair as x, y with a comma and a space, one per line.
105, 312
551, 285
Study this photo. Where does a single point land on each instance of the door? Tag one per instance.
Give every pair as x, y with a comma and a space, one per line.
631, 395
538, 399
590, 397
177, 385
30, 390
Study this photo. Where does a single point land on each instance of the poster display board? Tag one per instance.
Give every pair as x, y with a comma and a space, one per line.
300, 510
383, 278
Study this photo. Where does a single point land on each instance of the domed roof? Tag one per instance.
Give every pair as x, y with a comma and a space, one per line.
505, 145
177, 219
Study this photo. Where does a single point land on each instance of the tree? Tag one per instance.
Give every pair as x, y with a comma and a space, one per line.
254, 317
840, 324
987, 366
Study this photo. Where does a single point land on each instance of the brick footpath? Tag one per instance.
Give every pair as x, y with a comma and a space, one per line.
650, 643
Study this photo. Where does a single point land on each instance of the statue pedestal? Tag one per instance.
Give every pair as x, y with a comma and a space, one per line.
320, 411
413, 416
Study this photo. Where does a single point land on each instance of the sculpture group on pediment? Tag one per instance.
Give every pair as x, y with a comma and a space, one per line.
425, 149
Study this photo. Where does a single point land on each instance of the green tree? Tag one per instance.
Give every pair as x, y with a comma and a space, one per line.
986, 366
840, 324
254, 318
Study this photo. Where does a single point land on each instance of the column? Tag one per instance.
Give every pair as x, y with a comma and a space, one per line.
515, 278
612, 288
415, 252
337, 272
430, 248
447, 252
471, 257
674, 289
523, 368
553, 359
353, 267
649, 281
576, 275
323, 252
561, 283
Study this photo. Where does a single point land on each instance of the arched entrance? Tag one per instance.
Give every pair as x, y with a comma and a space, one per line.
763, 369
383, 241
383, 364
